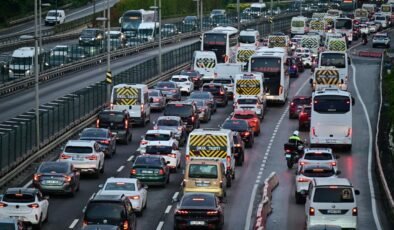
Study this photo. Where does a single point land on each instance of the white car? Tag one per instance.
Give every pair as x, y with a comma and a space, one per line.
333, 201
87, 156
166, 149
183, 82
158, 135
373, 28
300, 51
173, 123
130, 187
364, 29
306, 173
250, 103
25, 204
319, 156
306, 60
381, 39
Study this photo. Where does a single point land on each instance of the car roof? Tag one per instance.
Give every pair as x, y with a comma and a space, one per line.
317, 166
100, 197
203, 161
160, 143
80, 143
180, 76
332, 181
244, 111
32, 191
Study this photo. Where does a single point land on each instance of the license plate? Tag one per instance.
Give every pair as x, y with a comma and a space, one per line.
334, 211
201, 185
51, 182
197, 222
147, 171
78, 158
288, 155
331, 141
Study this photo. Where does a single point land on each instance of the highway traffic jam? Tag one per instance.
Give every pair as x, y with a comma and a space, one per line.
238, 71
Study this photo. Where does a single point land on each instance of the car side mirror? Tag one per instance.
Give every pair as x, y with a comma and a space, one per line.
357, 192
353, 101
101, 186
142, 137
167, 162
338, 172
150, 100
79, 134
154, 123
175, 200
62, 148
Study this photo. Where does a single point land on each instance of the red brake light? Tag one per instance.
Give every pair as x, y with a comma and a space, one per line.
182, 212
314, 131
292, 104
136, 197
91, 157
311, 211
36, 177
67, 179
35, 205
105, 142
3, 205
161, 172
228, 161
187, 158
133, 171
125, 225
247, 133
334, 163
142, 107
237, 145
85, 223
212, 213
302, 179
97, 123
64, 156
192, 119
221, 92
302, 163
156, 99
354, 211
143, 142
126, 122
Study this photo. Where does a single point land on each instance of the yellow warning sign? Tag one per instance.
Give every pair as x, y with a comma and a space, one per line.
244, 55
208, 146
206, 63
126, 96
248, 87
327, 77
277, 41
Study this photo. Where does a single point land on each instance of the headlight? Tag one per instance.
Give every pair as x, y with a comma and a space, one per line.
80, 38
46, 64
10, 71
92, 39
27, 71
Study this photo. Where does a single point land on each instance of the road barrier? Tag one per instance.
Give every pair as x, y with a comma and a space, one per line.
370, 54
264, 208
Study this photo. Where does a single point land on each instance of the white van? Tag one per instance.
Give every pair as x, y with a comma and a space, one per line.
249, 38
205, 62
249, 84
299, 25
22, 62
257, 9
382, 19
134, 99
332, 199
55, 17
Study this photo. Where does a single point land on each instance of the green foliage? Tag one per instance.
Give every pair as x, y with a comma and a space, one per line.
388, 92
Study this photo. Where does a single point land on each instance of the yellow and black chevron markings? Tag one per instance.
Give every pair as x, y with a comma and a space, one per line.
206, 63
248, 87
310, 42
108, 77
244, 55
208, 146
337, 45
327, 77
316, 25
277, 41
127, 96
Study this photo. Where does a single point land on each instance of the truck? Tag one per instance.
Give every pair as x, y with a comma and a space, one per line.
257, 9
148, 31
317, 25
22, 62
360, 13
299, 25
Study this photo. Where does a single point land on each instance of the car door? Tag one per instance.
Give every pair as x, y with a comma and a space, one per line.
100, 154
44, 204
143, 192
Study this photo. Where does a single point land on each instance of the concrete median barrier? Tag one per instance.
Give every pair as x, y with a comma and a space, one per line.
370, 54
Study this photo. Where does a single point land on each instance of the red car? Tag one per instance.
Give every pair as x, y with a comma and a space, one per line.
296, 105
249, 116
304, 118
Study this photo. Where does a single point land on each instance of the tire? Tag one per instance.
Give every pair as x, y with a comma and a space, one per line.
257, 133
238, 162
79, 185
289, 164
143, 122
47, 217
97, 174
168, 180
72, 193
249, 145
228, 182
38, 226
233, 175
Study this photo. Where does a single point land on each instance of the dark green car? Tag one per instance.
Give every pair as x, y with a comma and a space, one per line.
151, 170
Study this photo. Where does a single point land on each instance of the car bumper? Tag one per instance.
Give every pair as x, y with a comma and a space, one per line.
137, 205
64, 188
330, 141
203, 116
86, 167
344, 221
152, 180
173, 97
156, 106
31, 217
217, 191
380, 43
187, 222
120, 135
220, 101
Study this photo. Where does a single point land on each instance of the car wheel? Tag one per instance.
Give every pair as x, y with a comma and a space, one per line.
97, 174
78, 186
143, 122
38, 226
72, 192
102, 169
257, 133
228, 181
46, 217
168, 179
173, 170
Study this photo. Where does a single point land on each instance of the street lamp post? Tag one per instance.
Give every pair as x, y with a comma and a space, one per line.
158, 9
201, 15
36, 69
238, 15
39, 22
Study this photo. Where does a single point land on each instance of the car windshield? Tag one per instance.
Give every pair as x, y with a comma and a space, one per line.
167, 122
318, 156
21, 61
53, 168
179, 79
157, 137
243, 116
153, 93
333, 194
380, 37
247, 39
88, 33
199, 103
18, 198
380, 18
119, 186
197, 95
92, 133
78, 149
203, 171
111, 117
199, 200
333, 59
158, 149
166, 85
181, 110
248, 101
147, 161
101, 211
318, 172
53, 14
235, 125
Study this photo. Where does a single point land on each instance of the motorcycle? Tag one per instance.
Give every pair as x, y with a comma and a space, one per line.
293, 153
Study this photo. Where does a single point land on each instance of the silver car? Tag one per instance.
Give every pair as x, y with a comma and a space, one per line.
204, 111
173, 123
169, 90
157, 100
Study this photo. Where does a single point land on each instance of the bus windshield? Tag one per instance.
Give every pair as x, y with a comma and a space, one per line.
343, 24
216, 43
247, 39
131, 21
271, 67
333, 59
331, 104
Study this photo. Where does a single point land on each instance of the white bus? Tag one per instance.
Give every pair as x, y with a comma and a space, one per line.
331, 118
340, 61
131, 20
344, 26
223, 41
272, 62
385, 9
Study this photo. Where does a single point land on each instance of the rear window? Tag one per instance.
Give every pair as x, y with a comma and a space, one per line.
318, 172
189, 73
147, 161
214, 89
181, 110
198, 201
120, 186
198, 95
166, 85
53, 168
247, 101
77, 149
158, 149
203, 171
302, 101
243, 116
18, 198
167, 122
101, 211
111, 117
235, 125
94, 133
318, 156
333, 194
7, 226
331, 104
157, 137
153, 93
179, 79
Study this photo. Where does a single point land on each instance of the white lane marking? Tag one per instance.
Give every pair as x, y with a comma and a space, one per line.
120, 168
370, 182
72, 225
175, 196
253, 197
160, 226
28, 184
168, 209
130, 158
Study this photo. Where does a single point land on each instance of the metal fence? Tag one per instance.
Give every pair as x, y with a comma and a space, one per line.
18, 135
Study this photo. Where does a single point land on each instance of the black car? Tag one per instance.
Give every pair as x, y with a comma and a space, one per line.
199, 210
55, 61
205, 96
151, 170
195, 76
218, 91
91, 37
187, 111
112, 210
104, 137
77, 53
243, 128
57, 177
239, 147
117, 122
190, 23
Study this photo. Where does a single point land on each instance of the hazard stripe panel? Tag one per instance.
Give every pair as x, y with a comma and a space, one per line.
126, 96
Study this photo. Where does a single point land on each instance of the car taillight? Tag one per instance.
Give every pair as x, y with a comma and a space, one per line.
292, 104
302, 179
192, 119
280, 90
354, 211
187, 158
314, 131
35, 205
67, 178
97, 123
161, 172
126, 122
237, 145
180, 128
311, 211
228, 161
142, 107
156, 99
246, 133
36, 177
184, 183
349, 132
133, 171
85, 223
174, 90
221, 92
136, 197
125, 225
212, 213
334, 163
172, 155
182, 212
302, 163
111, 106
106, 142
143, 142
91, 157
287, 150
3, 205
155, 127
64, 156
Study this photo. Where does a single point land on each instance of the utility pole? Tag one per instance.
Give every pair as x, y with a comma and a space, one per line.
36, 69
201, 15
39, 23
238, 15
160, 69
109, 74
